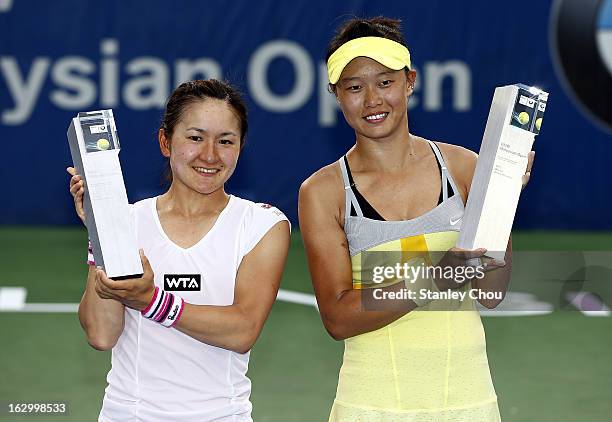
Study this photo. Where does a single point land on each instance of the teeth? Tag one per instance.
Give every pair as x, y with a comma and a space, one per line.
205, 170
376, 116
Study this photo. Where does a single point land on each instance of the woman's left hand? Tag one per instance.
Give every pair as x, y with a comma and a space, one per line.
527, 174
135, 293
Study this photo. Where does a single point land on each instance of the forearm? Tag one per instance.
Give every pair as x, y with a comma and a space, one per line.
360, 311
101, 319
229, 327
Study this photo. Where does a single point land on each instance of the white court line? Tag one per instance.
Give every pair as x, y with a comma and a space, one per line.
495, 313
517, 304
12, 299
297, 297
51, 308
308, 299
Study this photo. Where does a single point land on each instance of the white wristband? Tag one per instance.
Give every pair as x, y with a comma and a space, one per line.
165, 308
153, 307
175, 312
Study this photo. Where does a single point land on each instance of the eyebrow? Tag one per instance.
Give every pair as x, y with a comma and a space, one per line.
386, 72
200, 130
197, 129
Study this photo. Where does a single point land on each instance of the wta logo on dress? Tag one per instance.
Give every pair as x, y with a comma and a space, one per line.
183, 282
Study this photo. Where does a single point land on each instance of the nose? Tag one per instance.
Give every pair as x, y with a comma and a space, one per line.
208, 153
372, 97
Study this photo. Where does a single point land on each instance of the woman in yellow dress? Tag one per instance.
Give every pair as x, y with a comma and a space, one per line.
411, 360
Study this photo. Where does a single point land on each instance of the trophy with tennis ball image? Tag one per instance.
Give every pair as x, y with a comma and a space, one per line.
94, 147
515, 118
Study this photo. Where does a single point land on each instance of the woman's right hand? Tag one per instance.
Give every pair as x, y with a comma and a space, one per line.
77, 190
463, 258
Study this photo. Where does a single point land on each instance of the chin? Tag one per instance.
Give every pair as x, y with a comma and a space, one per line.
207, 190
377, 134
382, 132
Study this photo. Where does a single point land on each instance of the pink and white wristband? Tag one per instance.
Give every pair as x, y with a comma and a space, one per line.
165, 308
90, 255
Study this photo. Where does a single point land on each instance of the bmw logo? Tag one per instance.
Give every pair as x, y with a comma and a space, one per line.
581, 41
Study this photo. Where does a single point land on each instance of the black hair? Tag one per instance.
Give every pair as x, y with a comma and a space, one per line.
379, 26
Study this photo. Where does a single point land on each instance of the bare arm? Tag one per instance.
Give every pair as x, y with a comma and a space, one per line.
233, 327
330, 265
101, 319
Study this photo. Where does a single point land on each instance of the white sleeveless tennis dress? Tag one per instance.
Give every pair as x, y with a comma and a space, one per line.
159, 374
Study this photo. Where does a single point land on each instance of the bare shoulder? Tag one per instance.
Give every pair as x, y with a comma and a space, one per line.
326, 181
455, 153
323, 190
461, 163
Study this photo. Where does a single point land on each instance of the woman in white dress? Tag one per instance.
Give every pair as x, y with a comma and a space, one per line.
183, 355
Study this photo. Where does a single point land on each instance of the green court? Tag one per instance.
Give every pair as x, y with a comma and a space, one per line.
553, 367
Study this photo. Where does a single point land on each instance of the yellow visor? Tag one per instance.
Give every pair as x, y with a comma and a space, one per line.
386, 52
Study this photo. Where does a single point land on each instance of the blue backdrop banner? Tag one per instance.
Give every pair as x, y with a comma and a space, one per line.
61, 57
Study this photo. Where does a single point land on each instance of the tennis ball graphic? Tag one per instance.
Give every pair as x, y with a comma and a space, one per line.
103, 144
523, 117
538, 123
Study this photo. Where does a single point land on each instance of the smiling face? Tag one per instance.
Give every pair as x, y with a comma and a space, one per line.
204, 146
374, 98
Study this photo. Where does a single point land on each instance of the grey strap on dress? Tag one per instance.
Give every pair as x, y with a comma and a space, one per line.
349, 195
446, 176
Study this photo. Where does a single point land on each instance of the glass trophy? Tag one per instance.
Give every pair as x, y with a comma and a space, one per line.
95, 147
515, 118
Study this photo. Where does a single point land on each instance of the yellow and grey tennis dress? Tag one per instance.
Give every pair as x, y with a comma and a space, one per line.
429, 365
